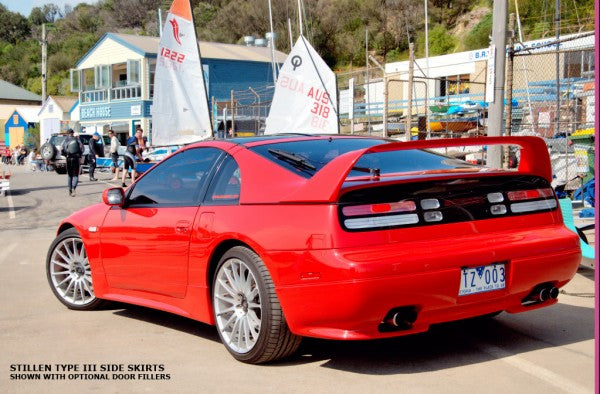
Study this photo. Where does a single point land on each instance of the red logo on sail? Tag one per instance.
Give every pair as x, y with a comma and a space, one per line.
175, 30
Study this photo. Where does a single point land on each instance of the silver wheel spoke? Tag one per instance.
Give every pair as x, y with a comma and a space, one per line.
225, 299
225, 311
228, 289
65, 258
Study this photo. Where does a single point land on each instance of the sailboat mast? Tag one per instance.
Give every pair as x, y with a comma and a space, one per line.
300, 17
212, 131
272, 44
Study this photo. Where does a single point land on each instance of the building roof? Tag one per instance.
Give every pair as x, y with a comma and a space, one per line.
148, 47
65, 103
8, 91
29, 113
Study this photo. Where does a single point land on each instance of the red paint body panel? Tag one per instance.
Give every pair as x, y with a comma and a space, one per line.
331, 283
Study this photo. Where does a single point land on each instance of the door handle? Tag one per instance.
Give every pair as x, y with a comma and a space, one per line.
182, 226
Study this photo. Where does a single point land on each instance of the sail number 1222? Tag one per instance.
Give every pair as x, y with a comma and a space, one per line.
173, 55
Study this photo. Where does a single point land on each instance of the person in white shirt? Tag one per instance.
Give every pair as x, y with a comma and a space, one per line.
114, 152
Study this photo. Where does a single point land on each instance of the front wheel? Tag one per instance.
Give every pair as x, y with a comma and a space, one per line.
69, 273
247, 312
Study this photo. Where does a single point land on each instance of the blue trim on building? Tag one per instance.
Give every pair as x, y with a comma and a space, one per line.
75, 104
9, 123
116, 39
115, 110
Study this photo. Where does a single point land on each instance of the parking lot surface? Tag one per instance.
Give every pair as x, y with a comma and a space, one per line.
142, 350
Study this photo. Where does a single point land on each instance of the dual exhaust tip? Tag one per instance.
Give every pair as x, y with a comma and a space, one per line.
541, 293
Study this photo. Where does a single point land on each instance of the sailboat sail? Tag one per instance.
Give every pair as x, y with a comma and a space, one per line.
305, 98
180, 113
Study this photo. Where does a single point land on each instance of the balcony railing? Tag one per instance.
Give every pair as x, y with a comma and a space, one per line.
126, 92
91, 96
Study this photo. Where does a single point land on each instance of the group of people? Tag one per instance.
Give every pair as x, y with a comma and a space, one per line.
73, 150
15, 156
20, 155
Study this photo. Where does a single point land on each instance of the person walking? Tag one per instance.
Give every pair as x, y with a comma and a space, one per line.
96, 148
129, 159
114, 152
72, 148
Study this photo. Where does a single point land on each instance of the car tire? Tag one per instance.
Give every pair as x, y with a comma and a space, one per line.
247, 312
69, 273
47, 151
60, 170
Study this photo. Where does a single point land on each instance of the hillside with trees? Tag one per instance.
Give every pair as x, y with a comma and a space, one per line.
336, 28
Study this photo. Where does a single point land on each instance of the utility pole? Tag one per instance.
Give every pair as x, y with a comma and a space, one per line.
509, 83
411, 74
44, 62
368, 101
496, 108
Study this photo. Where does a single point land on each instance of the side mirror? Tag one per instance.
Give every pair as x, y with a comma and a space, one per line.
114, 196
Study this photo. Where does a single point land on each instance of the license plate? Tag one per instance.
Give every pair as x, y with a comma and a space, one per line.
482, 279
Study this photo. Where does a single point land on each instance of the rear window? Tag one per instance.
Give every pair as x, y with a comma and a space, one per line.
306, 158
406, 161
314, 153
57, 139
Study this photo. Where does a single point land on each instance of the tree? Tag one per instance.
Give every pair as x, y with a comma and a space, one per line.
13, 26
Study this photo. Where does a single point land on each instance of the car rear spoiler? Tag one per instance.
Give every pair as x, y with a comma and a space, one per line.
324, 186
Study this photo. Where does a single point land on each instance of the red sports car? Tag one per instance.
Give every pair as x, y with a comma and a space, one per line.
276, 238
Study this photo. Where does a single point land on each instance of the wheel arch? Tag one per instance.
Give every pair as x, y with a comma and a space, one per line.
64, 227
217, 253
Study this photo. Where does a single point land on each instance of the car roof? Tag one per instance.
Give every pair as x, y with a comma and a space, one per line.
271, 139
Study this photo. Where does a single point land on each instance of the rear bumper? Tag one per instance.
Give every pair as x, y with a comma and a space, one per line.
345, 294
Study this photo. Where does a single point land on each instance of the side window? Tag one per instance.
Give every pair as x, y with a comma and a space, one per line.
226, 185
177, 181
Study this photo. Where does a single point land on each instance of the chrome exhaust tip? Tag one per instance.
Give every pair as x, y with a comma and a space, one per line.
553, 293
544, 294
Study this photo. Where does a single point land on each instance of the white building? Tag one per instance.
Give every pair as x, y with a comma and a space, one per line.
55, 116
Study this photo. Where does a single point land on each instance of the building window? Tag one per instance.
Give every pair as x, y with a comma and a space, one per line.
578, 63
15, 119
50, 108
133, 72
458, 84
102, 76
75, 80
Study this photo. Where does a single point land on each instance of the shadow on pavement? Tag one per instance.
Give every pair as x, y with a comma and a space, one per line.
444, 346
16, 209
23, 191
167, 320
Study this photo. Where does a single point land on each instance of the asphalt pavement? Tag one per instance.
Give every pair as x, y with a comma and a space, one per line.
45, 347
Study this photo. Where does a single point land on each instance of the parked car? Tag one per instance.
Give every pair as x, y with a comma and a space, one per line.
52, 151
275, 238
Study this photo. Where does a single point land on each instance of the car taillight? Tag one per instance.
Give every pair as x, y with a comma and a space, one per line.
442, 202
519, 195
369, 209
380, 215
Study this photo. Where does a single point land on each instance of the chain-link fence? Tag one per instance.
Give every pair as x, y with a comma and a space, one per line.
446, 97
245, 113
555, 91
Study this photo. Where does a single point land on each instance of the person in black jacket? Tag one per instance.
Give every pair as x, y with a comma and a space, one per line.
96, 150
72, 149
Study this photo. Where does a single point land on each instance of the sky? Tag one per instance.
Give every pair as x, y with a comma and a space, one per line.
24, 6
